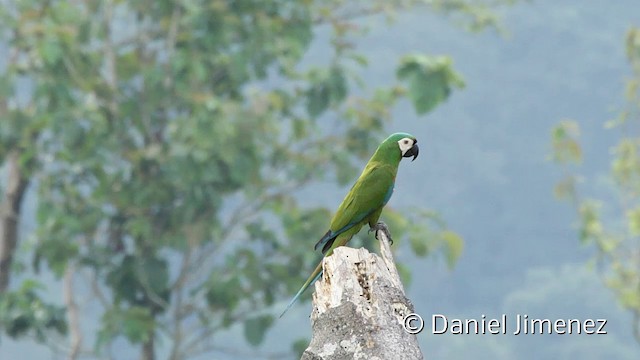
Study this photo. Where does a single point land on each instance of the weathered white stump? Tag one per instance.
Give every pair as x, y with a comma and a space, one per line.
358, 309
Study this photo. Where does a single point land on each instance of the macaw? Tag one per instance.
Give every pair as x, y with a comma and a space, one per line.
364, 202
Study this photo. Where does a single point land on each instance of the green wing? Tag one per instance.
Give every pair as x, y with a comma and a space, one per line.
371, 192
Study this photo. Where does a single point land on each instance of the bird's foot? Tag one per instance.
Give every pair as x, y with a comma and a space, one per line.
380, 226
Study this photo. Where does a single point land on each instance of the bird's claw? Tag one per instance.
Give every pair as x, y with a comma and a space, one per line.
380, 226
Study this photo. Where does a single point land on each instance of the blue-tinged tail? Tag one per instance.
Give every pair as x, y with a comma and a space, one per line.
315, 275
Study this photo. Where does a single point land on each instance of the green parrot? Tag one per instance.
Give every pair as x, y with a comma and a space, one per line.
364, 202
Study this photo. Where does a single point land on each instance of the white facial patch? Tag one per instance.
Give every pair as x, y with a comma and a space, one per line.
405, 144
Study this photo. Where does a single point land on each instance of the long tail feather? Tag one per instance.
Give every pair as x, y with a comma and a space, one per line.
326, 237
315, 275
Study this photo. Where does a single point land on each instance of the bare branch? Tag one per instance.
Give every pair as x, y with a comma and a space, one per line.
636, 325
180, 312
72, 314
387, 257
237, 353
171, 44
353, 12
110, 59
153, 295
148, 351
10, 215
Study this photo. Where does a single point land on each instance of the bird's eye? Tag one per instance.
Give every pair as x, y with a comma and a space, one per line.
406, 141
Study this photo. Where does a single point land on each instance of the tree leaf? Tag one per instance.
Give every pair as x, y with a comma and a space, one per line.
633, 217
137, 323
453, 247
430, 80
24, 312
337, 83
222, 294
318, 98
256, 327
50, 50
419, 244
299, 346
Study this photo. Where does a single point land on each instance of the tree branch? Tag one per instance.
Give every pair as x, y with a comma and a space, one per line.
359, 308
387, 257
72, 314
10, 215
178, 310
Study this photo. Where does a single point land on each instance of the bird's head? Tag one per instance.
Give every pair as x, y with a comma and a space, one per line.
407, 144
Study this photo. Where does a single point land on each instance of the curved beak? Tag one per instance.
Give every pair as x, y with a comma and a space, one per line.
412, 152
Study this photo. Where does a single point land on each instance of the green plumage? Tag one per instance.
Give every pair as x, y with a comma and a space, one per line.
366, 199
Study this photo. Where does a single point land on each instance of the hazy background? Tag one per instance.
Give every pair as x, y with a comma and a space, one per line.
484, 165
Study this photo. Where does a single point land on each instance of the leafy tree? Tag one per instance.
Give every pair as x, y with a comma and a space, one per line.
611, 224
166, 140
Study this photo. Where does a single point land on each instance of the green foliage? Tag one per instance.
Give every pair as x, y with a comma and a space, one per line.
564, 139
430, 79
633, 219
427, 233
615, 237
255, 328
328, 88
136, 324
221, 293
453, 245
299, 346
136, 278
591, 229
22, 313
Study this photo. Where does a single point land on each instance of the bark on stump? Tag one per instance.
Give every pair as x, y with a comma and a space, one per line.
359, 307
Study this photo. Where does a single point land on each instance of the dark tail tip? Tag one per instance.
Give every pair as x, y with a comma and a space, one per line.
323, 240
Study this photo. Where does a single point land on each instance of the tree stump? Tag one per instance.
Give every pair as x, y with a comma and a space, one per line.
359, 307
